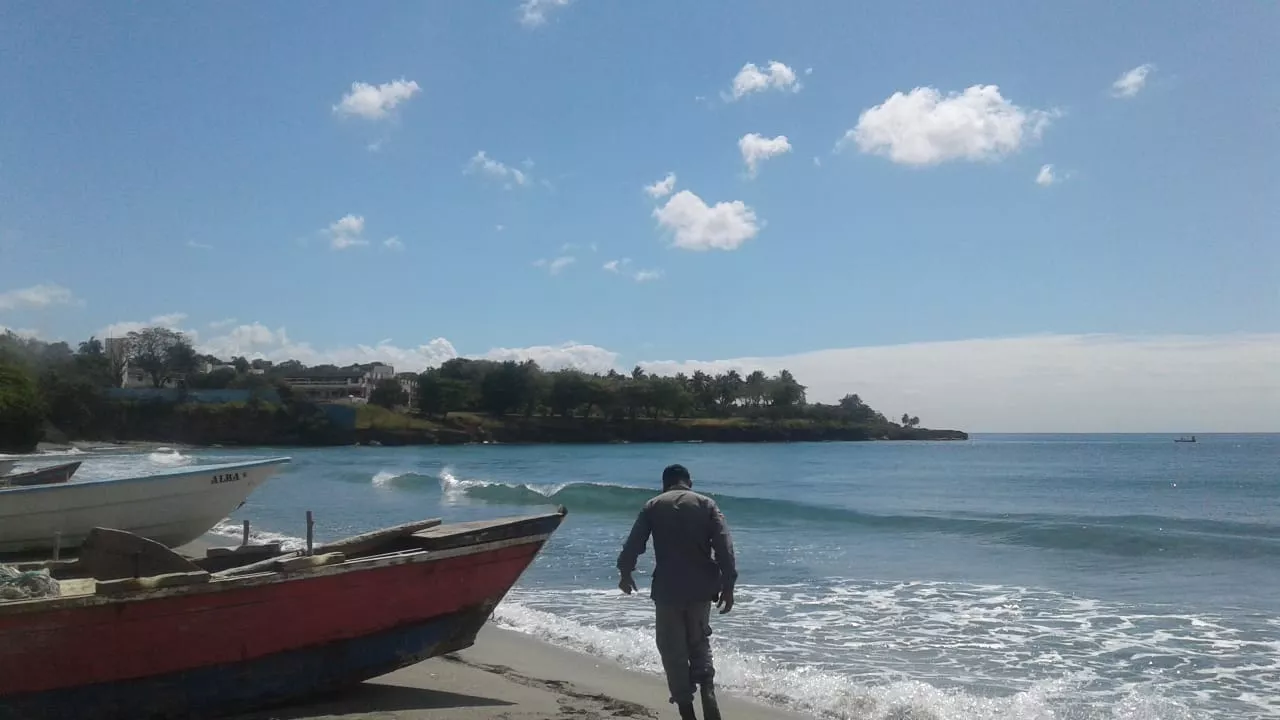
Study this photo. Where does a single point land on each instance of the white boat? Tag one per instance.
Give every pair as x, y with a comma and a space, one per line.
172, 507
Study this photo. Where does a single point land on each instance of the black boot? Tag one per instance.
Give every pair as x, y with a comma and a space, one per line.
710, 709
686, 711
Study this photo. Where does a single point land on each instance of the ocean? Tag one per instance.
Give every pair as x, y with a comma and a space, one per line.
1011, 577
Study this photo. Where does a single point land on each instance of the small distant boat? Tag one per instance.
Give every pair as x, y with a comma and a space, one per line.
194, 643
172, 507
1190, 439
50, 475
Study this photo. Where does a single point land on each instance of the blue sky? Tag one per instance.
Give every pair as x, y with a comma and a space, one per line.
237, 169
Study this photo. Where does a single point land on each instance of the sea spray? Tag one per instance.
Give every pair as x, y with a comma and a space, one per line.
827, 694
169, 457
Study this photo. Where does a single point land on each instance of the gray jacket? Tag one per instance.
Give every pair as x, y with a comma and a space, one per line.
686, 527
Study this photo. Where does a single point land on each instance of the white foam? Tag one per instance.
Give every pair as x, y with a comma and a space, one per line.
384, 478
807, 688
979, 640
169, 457
227, 528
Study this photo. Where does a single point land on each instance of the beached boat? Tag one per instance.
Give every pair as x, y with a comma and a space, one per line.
191, 643
50, 475
172, 507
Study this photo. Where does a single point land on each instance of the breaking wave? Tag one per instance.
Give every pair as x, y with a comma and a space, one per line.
228, 529
829, 693
1121, 535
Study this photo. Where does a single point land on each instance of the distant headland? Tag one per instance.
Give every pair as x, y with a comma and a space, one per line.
153, 386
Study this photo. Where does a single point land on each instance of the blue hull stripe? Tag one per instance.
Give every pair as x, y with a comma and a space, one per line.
237, 687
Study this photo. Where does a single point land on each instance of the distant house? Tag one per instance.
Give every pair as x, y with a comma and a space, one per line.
409, 383
132, 377
349, 385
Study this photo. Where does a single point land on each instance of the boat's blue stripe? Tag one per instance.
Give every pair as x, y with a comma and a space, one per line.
238, 687
190, 470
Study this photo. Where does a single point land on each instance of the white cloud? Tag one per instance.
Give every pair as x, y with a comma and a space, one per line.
346, 232
37, 296
499, 227
555, 265
614, 266
172, 321
724, 226
256, 340
756, 148
393, 243
482, 163
588, 358
752, 79
533, 13
1045, 177
198, 245
663, 187
1050, 383
647, 275
1132, 82
26, 333
220, 324
374, 102
924, 128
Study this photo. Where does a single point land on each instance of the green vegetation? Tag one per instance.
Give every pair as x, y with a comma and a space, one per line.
48, 386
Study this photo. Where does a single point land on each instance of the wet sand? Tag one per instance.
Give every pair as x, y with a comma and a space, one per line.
510, 676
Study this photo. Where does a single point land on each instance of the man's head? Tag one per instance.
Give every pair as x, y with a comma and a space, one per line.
675, 476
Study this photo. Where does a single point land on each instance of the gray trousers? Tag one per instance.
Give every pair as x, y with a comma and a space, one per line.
684, 642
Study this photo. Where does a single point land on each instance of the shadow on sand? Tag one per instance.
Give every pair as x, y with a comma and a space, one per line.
374, 697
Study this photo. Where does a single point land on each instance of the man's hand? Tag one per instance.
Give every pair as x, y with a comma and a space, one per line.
725, 601
627, 584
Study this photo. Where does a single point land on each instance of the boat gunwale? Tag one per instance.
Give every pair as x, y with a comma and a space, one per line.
163, 475
270, 577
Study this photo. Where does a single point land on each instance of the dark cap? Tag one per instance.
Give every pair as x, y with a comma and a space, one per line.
674, 475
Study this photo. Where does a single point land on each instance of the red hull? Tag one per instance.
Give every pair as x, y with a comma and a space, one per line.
210, 625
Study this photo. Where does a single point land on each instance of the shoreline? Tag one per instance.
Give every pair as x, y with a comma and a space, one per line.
514, 676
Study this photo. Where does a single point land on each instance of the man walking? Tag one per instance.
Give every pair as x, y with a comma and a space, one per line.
687, 528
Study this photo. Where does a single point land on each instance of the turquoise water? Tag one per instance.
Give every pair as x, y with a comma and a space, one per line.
1010, 577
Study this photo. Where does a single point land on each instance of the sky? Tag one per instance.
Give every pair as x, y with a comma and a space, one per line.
1003, 217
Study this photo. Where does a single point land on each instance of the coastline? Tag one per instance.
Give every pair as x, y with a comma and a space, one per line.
513, 676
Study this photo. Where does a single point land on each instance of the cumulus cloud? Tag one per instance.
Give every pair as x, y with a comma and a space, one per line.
555, 265
1050, 383
220, 324
172, 321
756, 148
255, 340
393, 243
922, 127
696, 226
647, 275
663, 187
533, 13
485, 165
1132, 82
346, 232
1045, 177
751, 79
375, 102
37, 296
614, 266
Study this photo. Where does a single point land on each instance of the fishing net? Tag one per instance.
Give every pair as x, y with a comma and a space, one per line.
26, 585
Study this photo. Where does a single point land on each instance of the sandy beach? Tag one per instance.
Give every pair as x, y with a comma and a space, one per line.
509, 676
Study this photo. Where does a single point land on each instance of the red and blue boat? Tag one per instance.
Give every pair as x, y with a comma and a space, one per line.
139, 631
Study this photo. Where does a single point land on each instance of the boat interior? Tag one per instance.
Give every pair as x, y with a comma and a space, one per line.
113, 562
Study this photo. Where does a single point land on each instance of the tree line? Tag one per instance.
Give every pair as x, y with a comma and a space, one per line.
52, 381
